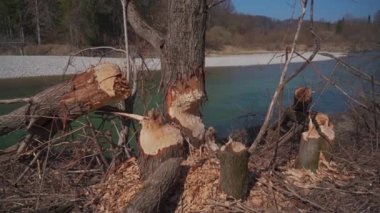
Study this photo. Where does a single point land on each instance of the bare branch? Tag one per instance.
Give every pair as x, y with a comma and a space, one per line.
16, 100
143, 29
215, 3
354, 71
281, 83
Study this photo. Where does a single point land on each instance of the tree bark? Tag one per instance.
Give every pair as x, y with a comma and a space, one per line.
157, 143
234, 169
37, 23
314, 142
298, 112
182, 63
182, 53
155, 188
51, 109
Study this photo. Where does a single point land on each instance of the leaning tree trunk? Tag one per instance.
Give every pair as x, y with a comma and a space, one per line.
320, 134
182, 63
52, 109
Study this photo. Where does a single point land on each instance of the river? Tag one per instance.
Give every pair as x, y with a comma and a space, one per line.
239, 96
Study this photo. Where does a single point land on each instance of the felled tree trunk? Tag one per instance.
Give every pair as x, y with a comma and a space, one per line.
155, 188
312, 142
234, 169
51, 109
157, 142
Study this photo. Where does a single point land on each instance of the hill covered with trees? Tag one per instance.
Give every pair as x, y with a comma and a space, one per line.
66, 25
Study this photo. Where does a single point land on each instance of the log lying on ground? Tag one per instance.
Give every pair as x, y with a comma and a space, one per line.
51, 109
155, 188
312, 142
183, 101
234, 169
157, 143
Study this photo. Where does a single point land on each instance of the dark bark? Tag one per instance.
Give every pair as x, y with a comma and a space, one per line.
234, 169
155, 188
182, 63
309, 152
51, 109
182, 53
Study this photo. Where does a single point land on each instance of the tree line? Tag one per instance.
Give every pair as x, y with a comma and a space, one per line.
99, 22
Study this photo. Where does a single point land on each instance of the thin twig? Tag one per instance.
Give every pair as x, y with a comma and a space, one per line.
17, 100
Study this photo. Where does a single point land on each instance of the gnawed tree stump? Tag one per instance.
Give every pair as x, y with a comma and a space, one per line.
298, 112
155, 188
51, 109
183, 101
326, 130
234, 169
157, 143
313, 141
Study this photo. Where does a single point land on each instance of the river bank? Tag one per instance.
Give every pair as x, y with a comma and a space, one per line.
28, 66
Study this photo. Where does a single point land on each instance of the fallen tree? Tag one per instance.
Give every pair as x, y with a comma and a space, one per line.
52, 109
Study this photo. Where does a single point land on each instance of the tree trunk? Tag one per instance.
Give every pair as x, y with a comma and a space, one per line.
318, 137
298, 112
38, 23
157, 142
182, 53
234, 169
183, 66
51, 109
155, 188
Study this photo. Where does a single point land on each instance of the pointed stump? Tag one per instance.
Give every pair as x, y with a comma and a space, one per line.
314, 141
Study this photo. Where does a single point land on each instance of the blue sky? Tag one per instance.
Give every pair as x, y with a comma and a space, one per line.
329, 10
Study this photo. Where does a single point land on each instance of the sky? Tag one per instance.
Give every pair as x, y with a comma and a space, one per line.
328, 10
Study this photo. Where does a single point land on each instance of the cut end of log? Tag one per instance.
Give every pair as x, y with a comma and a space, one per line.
97, 86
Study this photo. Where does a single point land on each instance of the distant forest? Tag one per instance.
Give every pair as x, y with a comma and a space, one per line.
77, 24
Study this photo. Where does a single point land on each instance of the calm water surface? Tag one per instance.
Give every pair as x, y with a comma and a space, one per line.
236, 93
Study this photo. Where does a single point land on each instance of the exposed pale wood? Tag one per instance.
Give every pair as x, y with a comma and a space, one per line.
318, 139
183, 101
158, 142
54, 107
326, 130
155, 188
234, 169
